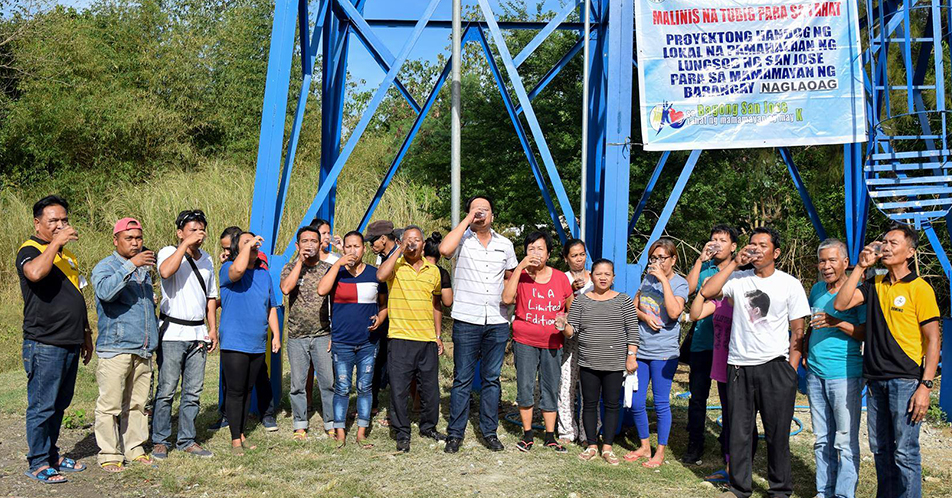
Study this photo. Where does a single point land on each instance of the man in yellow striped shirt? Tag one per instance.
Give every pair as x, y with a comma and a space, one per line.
414, 304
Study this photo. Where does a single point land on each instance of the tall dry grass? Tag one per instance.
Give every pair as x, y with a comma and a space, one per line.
222, 190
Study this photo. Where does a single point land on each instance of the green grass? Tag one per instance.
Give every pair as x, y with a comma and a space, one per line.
282, 467
222, 190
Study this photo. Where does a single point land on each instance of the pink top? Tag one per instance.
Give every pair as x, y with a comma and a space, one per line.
723, 314
536, 308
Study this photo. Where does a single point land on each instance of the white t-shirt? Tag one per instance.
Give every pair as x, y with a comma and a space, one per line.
763, 308
183, 297
331, 258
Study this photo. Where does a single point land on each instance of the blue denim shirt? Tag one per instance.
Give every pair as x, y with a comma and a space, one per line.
127, 321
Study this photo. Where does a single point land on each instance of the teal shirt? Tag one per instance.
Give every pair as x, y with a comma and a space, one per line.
833, 354
704, 328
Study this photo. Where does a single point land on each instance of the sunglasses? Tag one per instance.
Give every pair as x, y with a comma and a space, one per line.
189, 217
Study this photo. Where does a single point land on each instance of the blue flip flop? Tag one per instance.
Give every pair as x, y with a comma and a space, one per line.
721, 477
70, 465
45, 475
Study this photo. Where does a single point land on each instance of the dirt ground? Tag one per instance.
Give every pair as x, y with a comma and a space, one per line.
282, 467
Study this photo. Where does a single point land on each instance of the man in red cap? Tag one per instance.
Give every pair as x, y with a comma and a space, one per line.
128, 335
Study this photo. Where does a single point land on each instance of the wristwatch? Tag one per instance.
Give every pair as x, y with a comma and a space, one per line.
631, 353
927, 383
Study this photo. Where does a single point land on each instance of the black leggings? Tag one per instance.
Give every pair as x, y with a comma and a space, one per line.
241, 369
607, 386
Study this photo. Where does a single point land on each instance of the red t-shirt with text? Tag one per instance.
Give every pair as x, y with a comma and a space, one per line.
536, 308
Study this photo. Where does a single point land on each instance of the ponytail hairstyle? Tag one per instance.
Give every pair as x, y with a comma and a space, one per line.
431, 246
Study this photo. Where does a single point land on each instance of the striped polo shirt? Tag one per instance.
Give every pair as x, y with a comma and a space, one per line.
480, 277
410, 303
895, 311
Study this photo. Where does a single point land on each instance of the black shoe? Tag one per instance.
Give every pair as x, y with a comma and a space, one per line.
452, 444
493, 443
693, 455
403, 445
433, 434
220, 424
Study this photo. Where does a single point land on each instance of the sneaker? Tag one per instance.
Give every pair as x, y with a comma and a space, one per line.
433, 434
693, 455
160, 451
452, 445
403, 445
493, 443
269, 423
196, 450
219, 424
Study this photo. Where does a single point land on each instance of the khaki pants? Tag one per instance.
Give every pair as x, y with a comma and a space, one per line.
122, 426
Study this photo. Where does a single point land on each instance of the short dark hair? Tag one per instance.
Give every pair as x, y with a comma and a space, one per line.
431, 246
230, 232
774, 235
189, 215
305, 229
317, 223
731, 232
484, 197
412, 227
236, 245
50, 200
603, 261
907, 231
536, 235
570, 244
354, 233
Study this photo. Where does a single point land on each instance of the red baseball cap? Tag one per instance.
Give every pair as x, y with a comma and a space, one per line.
126, 224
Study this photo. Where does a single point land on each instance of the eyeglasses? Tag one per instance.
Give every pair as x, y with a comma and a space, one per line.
658, 259
190, 216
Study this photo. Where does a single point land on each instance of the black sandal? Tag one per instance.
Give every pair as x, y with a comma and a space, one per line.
524, 446
555, 446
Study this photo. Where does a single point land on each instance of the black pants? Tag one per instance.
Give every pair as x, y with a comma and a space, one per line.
264, 398
381, 373
241, 370
770, 389
700, 386
409, 361
607, 386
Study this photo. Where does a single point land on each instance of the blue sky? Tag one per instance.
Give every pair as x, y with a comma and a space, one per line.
431, 43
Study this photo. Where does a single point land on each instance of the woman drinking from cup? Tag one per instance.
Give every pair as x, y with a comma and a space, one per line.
358, 307
541, 295
660, 302
580, 279
248, 309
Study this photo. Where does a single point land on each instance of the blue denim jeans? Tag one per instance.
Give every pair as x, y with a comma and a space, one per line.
346, 357
836, 409
51, 378
472, 343
894, 439
185, 360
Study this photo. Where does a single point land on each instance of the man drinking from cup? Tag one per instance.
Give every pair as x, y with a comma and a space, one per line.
900, 356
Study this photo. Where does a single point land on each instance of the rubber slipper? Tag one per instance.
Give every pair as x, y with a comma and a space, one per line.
300, 436
631, 456
588, 454
651, 465
69, 465
45, 475
112, 467
718, 477
144, 460
365, 445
